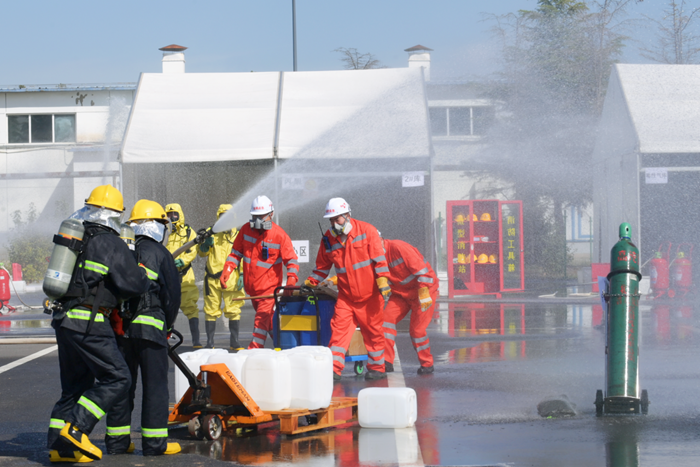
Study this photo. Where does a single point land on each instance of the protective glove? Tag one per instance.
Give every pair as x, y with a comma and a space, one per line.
206, 244
329, 282
239, 283
291, 281
424, 298
383, 284
308, 283
226, 273
179, 263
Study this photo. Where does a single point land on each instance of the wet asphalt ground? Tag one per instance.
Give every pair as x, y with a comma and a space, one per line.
494, 363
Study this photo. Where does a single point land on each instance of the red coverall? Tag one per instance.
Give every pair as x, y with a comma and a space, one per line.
408, 272
261, 276
358, 263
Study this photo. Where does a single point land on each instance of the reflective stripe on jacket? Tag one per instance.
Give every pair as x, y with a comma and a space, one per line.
105, 258
408, 270
358, 263
154, 313
261, 276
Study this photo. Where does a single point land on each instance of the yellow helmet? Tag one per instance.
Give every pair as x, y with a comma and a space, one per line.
492, 259
106, 196
486, 216
483, 258
460, 218
147, 209
475, 218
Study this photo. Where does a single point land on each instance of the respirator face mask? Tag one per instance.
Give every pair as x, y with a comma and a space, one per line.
260, 224
337, 229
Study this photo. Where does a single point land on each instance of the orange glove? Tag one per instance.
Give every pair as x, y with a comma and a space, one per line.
291, 281
226, 273
330, 281
424, 298
383, 284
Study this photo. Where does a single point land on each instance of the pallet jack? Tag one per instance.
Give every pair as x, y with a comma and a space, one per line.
216, 401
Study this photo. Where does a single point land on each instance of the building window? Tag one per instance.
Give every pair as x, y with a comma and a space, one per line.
461, 121
24, 129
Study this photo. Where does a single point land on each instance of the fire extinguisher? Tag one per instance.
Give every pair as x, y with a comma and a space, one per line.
4, 287
658, 273
682, 270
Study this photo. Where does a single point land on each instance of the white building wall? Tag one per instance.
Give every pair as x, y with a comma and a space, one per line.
615, 192
44, 175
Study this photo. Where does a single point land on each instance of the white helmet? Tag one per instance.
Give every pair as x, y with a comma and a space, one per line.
336, 207
261, 205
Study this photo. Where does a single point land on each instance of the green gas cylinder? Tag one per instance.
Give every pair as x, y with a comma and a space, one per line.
622, 394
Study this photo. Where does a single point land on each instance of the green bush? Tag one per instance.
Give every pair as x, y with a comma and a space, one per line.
28, 247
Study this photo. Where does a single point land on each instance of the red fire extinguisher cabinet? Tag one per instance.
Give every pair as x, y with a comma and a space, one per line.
485, 247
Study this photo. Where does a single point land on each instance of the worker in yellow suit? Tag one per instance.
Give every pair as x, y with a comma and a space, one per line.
182, 233
217, 248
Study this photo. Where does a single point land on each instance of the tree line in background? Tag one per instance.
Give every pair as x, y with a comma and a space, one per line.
556, 61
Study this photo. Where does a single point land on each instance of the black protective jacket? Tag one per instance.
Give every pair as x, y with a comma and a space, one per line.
105, 259
153, 314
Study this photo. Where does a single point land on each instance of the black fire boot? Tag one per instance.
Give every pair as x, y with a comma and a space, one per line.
233, 326
194, 330
210, 327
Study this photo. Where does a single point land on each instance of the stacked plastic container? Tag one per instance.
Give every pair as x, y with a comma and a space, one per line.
299, 378
193, 360
234, 362
267, 378
312, 377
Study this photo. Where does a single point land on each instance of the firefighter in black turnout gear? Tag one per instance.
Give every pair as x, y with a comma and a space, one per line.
94, 374
147, 321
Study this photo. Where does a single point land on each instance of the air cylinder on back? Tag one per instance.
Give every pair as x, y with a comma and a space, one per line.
63, 258
127, 234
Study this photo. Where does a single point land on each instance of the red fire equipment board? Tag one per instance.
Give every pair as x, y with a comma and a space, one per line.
485, 247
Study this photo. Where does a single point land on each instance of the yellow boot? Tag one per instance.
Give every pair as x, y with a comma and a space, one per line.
69, 456
173, 448
131, 448
81, 441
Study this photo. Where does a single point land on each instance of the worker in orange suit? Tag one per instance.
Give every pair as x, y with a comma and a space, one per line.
263, 247
355, 250
414, 287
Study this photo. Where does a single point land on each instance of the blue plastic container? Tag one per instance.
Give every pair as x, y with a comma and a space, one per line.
304, 306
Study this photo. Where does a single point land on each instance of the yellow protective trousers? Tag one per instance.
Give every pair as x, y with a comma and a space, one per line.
188, 299
229, 296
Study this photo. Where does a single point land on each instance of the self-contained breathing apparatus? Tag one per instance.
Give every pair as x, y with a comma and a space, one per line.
76, 291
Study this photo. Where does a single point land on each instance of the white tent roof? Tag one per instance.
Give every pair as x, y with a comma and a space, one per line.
196, 117
663, 102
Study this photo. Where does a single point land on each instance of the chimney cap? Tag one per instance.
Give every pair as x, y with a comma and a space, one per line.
173, 48
417, 48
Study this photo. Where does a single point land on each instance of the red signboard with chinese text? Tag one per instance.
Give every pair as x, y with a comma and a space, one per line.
485, 247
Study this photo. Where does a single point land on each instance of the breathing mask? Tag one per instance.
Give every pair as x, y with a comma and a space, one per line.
260, 224
173, 216
337, 229
149, 228
97, 215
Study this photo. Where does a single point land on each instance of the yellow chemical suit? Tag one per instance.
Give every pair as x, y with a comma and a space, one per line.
181, 234
216, 254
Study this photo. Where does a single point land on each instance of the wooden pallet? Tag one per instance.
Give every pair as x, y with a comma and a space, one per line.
234, 407
289, 418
